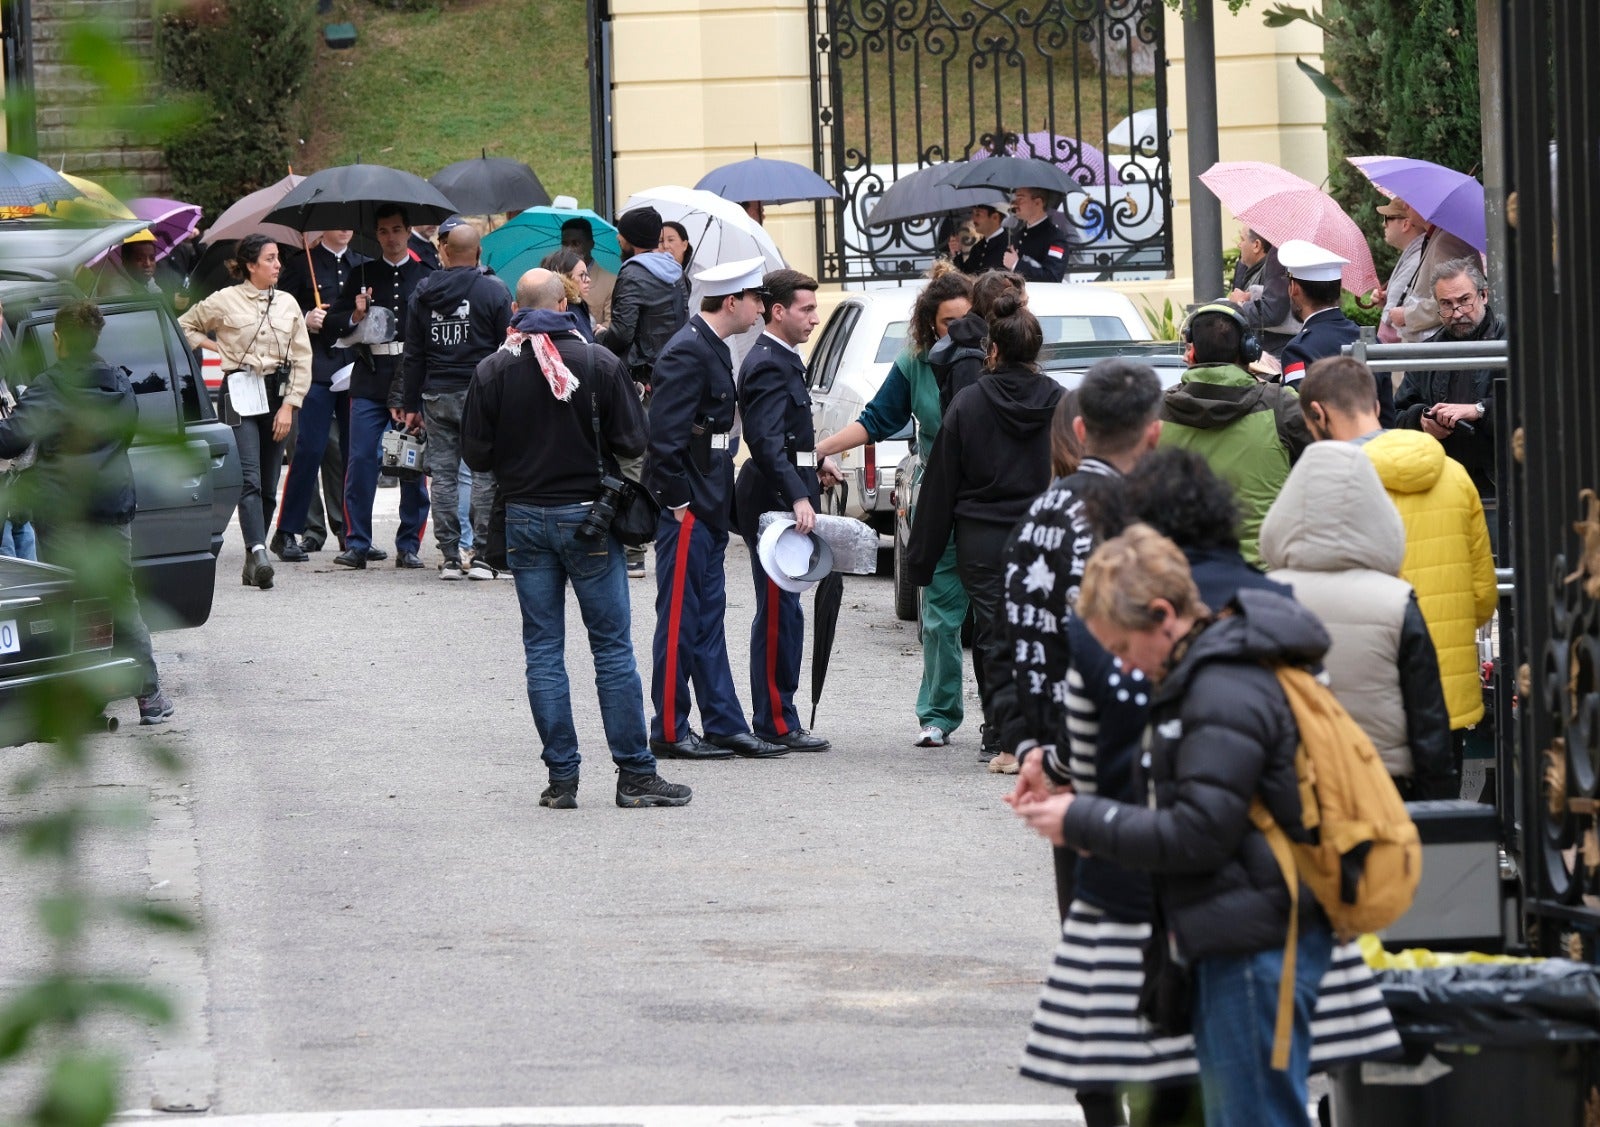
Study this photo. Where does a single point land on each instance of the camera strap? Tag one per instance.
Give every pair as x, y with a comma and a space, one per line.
594, 408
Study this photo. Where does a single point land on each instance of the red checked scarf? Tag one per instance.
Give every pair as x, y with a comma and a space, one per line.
556, 373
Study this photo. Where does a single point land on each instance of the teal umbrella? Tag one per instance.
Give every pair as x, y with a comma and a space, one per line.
521, 243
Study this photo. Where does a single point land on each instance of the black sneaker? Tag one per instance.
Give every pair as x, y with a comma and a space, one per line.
649, 790
561, 794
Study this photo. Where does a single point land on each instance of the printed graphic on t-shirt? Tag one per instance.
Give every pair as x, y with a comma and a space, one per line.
448, 330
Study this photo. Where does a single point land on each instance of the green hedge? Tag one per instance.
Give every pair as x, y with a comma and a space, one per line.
250, 61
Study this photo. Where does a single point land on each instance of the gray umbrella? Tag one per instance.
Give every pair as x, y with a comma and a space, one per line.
346, 198
1012, 173
928, 192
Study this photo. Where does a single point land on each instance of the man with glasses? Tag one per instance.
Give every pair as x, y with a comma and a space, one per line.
691, 475
1405, 232
1457, 407
1044, 248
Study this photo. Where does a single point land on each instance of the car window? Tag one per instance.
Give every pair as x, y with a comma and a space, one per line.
843, 322
827, 340
893, 342
134, 340
1072, 330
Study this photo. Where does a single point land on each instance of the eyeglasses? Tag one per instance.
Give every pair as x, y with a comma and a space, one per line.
1388, 219
1465, 305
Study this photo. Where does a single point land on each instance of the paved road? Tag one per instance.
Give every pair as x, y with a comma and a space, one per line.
391, 922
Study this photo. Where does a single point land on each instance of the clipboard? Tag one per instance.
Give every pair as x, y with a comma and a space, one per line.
247, 393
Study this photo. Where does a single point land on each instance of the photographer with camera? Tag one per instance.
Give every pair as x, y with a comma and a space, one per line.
549, 415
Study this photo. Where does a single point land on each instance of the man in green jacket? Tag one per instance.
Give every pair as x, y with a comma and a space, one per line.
1250, 432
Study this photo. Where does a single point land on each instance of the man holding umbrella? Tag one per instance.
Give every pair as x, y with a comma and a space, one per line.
691, 474
387, 283
1044, 248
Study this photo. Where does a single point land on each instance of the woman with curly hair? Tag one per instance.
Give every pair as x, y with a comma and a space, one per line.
912, 391
575, 278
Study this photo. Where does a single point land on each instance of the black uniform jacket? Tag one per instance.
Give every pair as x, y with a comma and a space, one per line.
332, 271
693, 390
391, 286
985, 255
776, 408
1045, 249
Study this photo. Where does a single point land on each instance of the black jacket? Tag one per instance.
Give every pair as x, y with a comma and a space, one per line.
457, 317
1221, 732
541, 449
1045, 249
82, 416
694, 391
1273, 307
985, 255
646, 311
776, 408
1421, 390
988, 463
332, 271
957, 359
392, 287
423, 251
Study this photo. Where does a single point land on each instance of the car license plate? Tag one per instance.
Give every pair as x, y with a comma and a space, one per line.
10, 640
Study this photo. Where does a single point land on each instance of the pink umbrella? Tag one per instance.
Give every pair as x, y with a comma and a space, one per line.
171, 222
245, 217
1279, 206
1066, 153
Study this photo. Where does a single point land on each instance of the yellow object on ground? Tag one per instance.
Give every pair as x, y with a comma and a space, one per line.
1420, 958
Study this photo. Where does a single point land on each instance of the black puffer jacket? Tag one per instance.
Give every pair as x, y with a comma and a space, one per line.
1221, 732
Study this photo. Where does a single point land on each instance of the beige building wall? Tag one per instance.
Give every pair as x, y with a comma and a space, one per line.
699, 83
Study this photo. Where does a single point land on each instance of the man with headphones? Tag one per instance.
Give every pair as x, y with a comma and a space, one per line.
1314, 288
1250, 432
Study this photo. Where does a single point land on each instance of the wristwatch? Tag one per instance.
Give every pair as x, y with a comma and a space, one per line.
1479, 406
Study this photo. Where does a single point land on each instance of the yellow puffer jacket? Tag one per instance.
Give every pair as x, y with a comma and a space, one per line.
1447, 557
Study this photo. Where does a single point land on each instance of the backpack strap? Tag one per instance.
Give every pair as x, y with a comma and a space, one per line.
1278, 841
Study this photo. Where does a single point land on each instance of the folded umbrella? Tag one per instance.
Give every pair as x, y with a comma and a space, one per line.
1444, 197
766, 181
927, 193
1012, 173
519, 244
348, 198
825, 623
489, 185
248, 216
1279, 206
719, 230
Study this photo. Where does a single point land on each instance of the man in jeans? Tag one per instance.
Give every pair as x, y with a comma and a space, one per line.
456, 318
535, 413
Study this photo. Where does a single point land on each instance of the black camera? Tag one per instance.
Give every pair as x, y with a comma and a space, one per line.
597, 524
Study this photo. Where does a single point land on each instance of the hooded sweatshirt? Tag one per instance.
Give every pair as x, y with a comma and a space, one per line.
1447, 556
648, 305
1249, 432
990, 460
1334, 535
957, 359
455, 318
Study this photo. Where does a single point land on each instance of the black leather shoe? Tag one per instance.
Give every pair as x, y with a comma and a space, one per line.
311, 544
799, 740
748, 744
377, 555
352, 557
286, 546
690, 747
258, 570
408, 560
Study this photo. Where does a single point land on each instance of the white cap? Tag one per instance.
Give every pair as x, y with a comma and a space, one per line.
1310, 263
793, 561
732, 277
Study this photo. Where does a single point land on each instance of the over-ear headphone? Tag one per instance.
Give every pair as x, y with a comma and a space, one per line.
1249, 346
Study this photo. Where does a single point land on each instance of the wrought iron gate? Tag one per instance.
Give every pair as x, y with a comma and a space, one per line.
902, 84
1552, 132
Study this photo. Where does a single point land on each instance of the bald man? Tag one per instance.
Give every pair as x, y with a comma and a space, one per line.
456, 318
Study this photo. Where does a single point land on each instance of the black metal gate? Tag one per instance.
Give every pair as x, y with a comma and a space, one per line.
901, 84
1552, 135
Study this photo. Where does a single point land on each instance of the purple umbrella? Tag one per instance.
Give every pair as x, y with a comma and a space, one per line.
1444, 197
171, 222
1071, 156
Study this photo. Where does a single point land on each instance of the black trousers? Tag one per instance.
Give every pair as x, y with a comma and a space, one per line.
980, 561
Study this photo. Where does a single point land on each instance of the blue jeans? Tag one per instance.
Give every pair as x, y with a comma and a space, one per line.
1235, 1012
368, 420
544, 553
17, 540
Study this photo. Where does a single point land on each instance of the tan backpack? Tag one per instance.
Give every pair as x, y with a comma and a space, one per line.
1365, 858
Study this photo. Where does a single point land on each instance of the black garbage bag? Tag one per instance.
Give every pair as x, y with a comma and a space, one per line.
1495, 1003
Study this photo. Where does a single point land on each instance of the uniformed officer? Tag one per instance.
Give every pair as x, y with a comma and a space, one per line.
989, 252
1042, 251
315, 279
691, 473
1314, 288
781, 473
385, 282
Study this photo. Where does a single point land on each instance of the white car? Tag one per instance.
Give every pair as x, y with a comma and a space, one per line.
856, 348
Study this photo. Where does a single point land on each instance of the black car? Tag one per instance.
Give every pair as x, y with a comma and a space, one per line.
184, 502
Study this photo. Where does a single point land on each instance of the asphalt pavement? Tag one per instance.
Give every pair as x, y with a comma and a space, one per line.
391, 921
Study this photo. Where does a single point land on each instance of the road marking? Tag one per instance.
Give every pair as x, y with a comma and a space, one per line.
847, 1115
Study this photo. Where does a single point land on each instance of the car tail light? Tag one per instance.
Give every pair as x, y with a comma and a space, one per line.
869, 471
92, 626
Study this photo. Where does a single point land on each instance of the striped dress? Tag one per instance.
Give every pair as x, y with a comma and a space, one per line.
1086, 1031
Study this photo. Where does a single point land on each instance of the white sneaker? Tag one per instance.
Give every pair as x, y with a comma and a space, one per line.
932, 736
480, 569
451, 569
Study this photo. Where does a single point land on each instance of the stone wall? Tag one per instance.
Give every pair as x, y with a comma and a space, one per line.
65, 138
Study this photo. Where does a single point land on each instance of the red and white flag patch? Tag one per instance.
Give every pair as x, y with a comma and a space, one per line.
1057, 250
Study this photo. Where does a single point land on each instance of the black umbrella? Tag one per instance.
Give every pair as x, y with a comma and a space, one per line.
346, 198
1012, 173
489, 185
928, 192
824, 620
